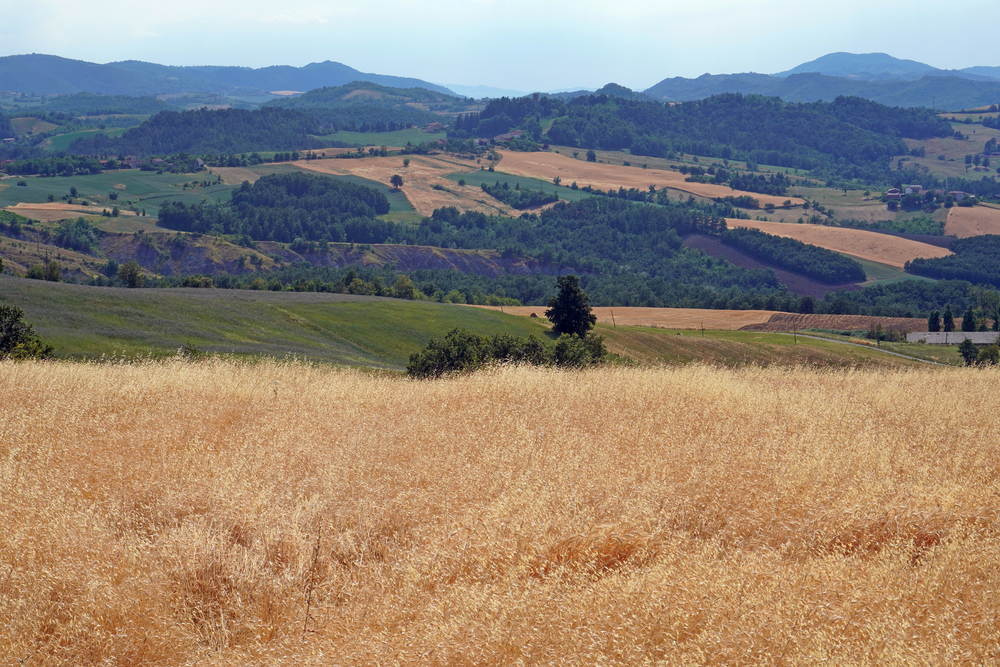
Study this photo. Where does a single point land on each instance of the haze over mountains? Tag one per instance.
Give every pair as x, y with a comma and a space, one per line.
875, 76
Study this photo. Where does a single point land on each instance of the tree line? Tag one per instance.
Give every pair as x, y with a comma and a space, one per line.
809, 260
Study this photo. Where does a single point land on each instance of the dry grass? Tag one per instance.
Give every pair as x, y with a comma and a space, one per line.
223, 514
52, 212
419, 179
667, 318
547, 166
976, 221
882, 248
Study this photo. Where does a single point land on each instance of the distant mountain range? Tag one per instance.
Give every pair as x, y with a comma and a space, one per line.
39, 74
875, 76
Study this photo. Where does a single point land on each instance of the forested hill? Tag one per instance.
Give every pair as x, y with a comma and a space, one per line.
852, 136
942, 92
88, 104
364, 106
208, 132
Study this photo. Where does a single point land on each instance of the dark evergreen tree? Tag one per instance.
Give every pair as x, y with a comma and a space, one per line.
934, 321
969, 320
949, 319
570, 311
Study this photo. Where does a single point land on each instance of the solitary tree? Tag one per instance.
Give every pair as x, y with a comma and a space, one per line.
570, 311
969, 352
934, 321
591, 156
396, 181
130, 273
949, 319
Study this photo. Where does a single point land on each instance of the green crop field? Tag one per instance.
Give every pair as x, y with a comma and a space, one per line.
61, 142
367, 331
145, 189
477, 178
397, 138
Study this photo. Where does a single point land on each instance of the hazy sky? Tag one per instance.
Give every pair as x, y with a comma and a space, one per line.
518, 44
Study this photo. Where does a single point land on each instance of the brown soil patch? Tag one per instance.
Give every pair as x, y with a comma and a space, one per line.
665, 318
882, 248
795, 321
796, 283
976, 221
50, 212
419, 178
547, 166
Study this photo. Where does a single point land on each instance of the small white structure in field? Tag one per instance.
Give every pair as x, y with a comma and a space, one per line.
952, 337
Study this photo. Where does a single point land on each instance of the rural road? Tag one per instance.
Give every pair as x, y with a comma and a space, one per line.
844, 342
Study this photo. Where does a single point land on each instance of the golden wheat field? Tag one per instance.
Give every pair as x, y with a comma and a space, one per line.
882, 248
228, 513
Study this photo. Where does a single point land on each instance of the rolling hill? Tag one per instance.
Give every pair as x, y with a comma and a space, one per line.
40, 74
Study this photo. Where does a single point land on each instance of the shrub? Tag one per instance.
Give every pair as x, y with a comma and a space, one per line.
17, 339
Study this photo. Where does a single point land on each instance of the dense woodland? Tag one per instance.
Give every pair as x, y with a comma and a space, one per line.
6, 128
286, 208
824, 265
209, 132
975, 260
518, 197
850, 137
366, 107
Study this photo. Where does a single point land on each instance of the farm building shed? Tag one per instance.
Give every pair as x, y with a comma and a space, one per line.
952, 337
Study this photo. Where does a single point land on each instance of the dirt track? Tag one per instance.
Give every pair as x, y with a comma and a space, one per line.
547, 166
891, 250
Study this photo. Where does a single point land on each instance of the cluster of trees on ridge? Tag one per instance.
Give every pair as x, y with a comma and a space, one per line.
286, 207
517, 197
824, 265
205, 131
851, 137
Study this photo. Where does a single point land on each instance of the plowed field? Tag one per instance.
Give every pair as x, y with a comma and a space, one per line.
872, 246
731, 320
795, 321
547, 166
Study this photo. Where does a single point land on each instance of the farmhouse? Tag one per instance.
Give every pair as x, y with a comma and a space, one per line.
893, 193
959, 195
434, 127
914, 189
952, 337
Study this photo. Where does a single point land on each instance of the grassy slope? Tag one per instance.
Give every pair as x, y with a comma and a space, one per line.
61, 142
477, 178
88, 321
736, 348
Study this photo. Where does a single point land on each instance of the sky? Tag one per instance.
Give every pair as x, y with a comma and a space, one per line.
523, 45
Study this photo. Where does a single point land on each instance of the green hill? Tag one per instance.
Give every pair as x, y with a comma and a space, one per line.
82, 321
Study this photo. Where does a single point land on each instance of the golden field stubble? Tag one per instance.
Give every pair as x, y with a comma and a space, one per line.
166, 513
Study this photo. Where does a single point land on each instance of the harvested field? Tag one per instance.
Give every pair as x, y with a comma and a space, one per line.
547, 166
220, 513
882, 248
419, 178
976, 221
51, 212
665, 318
795, 321
795, 282
235, 175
